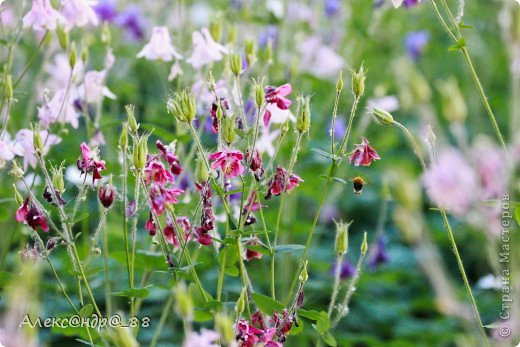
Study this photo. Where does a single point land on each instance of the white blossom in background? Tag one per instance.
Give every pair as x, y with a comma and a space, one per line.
159, 47
79, 13
59, 108
319, 59
59, 72
24, 138
93, 89
175, 71
388, 103
8, 149
205, 49
42, 16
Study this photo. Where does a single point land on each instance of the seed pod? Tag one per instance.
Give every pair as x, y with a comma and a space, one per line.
341, 244
235, 64
382, 116
73, 56
364, 244
358, 82
228, 129
241, 302
303, 122
132, 123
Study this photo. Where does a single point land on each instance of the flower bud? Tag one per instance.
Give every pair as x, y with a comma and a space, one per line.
284, 129
63, 37
228, 129
84, 54
212, 86
132, 123
17, 196
250, 48
37, 140
232, 34
183, 106
201, 170
106, 35
9, 88
220, 113
364, 244
73, 56
382, 116
224, 326
235, 64
215, 28
304, 276
183, 301
241, 302
143, 152
259, 92
303, 121
57, 179
341, 244
123, 139
51, 243
106, 195
339, 84
358, 82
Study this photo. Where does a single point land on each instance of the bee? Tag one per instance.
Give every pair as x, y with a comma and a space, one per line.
357, 184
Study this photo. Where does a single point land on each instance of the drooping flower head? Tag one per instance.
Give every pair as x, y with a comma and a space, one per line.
415, 42
159, 47
364, 154
107, 195
347, 269
106, 10
255, 163
380, 255
277, 96
229, 161
171, 235
90, 162
31, 215
250, 252
406, 3
160, 196
168, 155
156, 172
133, 21
207, 217
79, 13
276, 184
42, 16
205, 49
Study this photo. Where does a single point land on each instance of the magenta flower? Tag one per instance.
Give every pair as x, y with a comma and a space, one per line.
36, 219
364, 154
276, 184
90, 162
156, 172
106, 195
169, 231
277, 96
229, 161
150, 225
22, 211
207, 217
160, 196
251, 253
168, 155
255, 163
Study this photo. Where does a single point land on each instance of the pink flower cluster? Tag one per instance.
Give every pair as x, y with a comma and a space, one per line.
277, 184
31, 215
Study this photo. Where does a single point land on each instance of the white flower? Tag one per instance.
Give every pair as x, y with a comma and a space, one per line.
489, 282
59, 72
8, 149
205, 49
24, 138
58, 109
319, 59
265, 141
79, 13
159, 47
175, 71
42, 16
93, 88
279, 116
388, 103
206, 338
397, 3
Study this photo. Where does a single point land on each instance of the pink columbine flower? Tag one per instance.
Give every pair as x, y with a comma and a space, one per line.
364, 154
79, 13
107, 195
59, 109
36, 219
21, 212
24, 141
150, 225
42, 16
90, 162
171, 235
207, 217
159, 47
156, 172
255, 163
168, 155
161, 196
276, 184
277, 96
251, 253
205, 49
229, 161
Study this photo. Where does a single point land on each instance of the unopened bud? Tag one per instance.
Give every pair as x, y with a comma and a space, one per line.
241, 302
358, 82
259, 92
224, 326
51, 243
201, 170
57, 178
106, 195
220, 113
250, 48
183, 106
364, 244
106, 35
84, 54
235, 64
304, 276
37, 140
303, 121
228, 129
17, 196
215, 28
339, 84
9, 88
142, 153
383, 117
73, 56
284, 129
63, 37
123, 139
132, 123
341, 244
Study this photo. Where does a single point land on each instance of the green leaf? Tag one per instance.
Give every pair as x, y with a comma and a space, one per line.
231, 259
196, 295
341, 180
214, 305
89, 271
517, 215
139, 293
322, 324
325, 154
329, 339
86, 310
289, 248
311, 314
260, 248
266, 304
201, 316
461, 43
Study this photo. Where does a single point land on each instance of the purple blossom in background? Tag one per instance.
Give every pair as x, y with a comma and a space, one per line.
340, 128
380, 255
106, 10
415, 42
347, 269
271, 32
410, 3
132, 20
250, 111
332, 7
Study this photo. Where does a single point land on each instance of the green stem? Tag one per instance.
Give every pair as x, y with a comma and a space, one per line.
108, 297
243, 274
334, 115
31, 61
162, 320
335, 290
125, 225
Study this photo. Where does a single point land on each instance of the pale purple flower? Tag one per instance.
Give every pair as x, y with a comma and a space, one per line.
42, 16
8, 149
319, 59
106, 10
406, 3
388, 103
270, 33
8, 16
380, 255
79, 13
93, 88
159, 47
451, 183
175, 71
206, 338
332, 7
347, 269
59, 108
132, 20
415, 42
59, 71
340, 128
491, 167
24, 138
205, 49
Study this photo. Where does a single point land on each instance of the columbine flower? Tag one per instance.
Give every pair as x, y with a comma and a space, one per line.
319, 59
255, 165
21, 212
8, 149
276, 184
207, 217
106, 195
251, 253
160, 196
159, 47
168, 155
24, 139
277, 96
106, 10
58, 109
79, 13
229, 161
414, 43
363, 154
156, 172
205, 49
90, 162
132, 20
407, 3
35, 219
171, 235
93, 89
451, 183
206, 338
347, 269
47, 195
150, 225
380, 255
42, 16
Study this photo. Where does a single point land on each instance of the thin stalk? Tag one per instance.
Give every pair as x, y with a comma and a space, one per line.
31, 61
333, 124
241, 104
125, 225
162, 320
134, 238
243, 274
105, 250
335, 290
